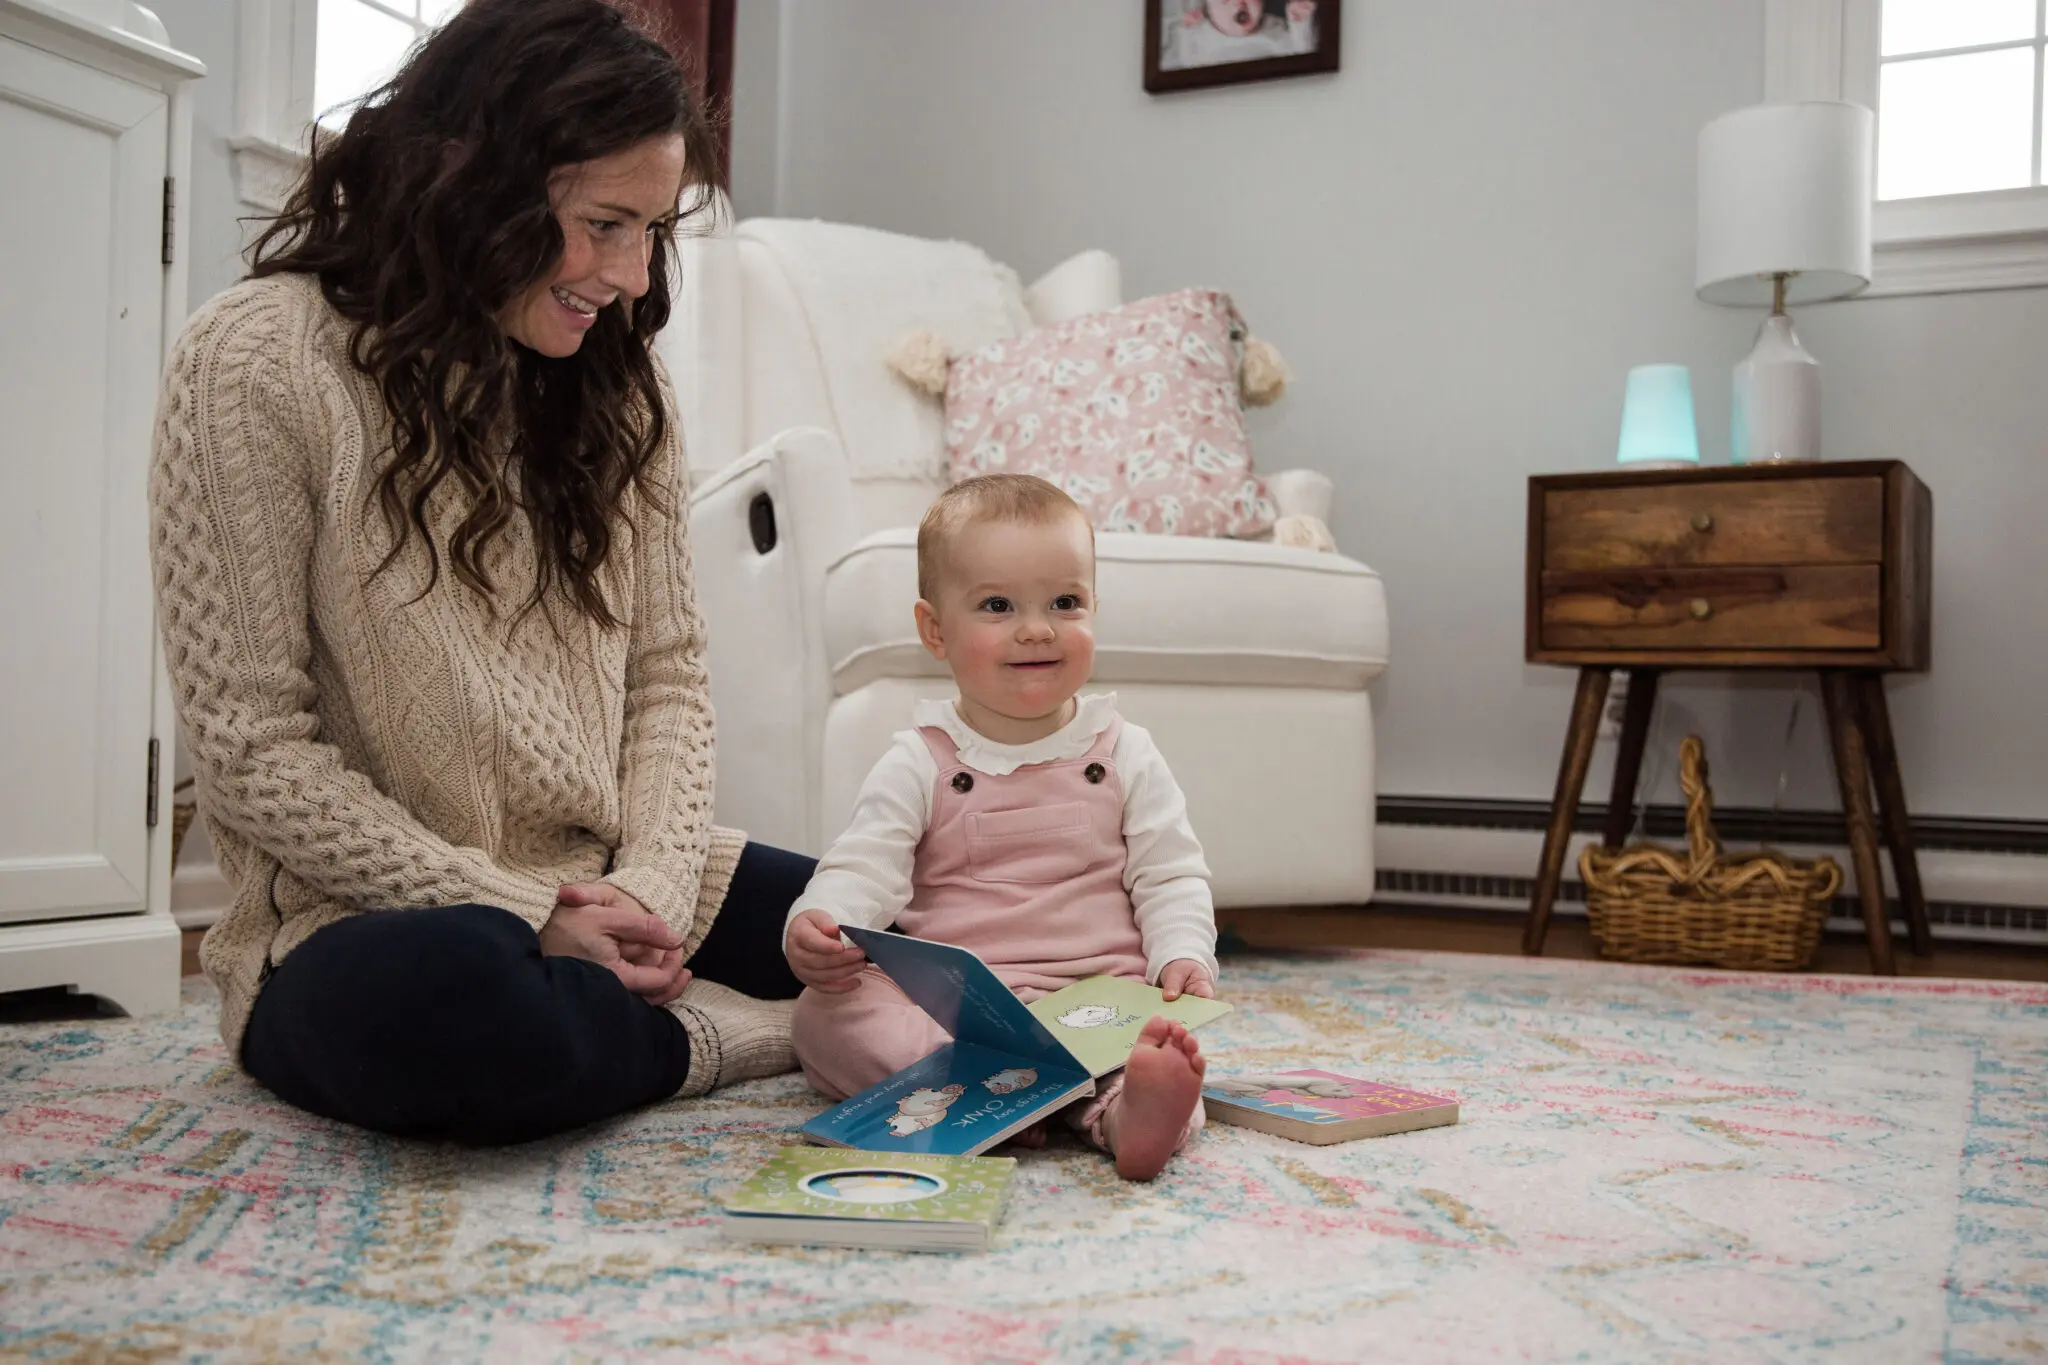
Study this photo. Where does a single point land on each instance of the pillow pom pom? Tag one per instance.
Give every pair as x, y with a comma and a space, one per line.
921, 358
1264, 376
1304, 533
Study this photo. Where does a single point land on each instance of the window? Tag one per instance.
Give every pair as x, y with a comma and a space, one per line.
358, 45
302, 58
1959, 90
1959, 96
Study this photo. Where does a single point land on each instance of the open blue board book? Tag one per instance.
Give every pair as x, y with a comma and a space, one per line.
1009, 1064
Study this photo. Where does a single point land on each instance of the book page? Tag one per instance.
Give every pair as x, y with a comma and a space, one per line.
1098, 1020
960, 1100
957, 989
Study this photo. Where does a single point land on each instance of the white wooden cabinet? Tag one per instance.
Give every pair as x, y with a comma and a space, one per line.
94, 139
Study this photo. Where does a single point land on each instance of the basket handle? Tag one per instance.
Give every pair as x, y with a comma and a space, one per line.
1701, 841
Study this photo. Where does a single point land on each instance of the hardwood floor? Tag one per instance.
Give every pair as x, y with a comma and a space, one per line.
1480, 931
1439, 929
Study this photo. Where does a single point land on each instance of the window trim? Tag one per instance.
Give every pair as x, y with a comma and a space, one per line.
274, 83
1998, 239
273, 98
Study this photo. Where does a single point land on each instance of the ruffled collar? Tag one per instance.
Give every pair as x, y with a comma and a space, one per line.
1091, 717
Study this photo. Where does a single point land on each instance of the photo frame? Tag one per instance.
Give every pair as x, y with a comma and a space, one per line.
1190, 44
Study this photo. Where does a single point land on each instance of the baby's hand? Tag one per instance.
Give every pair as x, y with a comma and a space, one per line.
1300, 12
1185, 976
819, 957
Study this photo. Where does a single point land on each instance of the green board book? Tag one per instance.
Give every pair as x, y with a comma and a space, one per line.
905, 1201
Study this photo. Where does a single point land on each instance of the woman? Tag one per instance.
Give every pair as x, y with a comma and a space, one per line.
418, 514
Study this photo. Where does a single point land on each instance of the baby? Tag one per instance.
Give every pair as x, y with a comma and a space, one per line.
1211, 32
1023, 822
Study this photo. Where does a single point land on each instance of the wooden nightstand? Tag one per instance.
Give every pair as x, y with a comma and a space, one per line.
1821, 566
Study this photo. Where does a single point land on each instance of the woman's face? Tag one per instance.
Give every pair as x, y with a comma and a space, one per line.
609, 210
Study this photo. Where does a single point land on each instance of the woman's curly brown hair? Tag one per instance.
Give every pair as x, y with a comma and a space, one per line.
429, 212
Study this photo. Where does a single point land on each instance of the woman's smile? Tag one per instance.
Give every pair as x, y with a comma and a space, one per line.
576, 304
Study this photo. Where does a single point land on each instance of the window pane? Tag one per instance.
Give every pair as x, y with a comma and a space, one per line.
1953, 125
1930, 25
356, 49
435, 13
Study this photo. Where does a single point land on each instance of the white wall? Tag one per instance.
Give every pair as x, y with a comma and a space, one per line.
756, 115
1461, 242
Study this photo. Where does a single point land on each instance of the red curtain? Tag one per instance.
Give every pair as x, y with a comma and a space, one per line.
699, 32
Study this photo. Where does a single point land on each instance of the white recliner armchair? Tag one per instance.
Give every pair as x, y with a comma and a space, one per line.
812, 463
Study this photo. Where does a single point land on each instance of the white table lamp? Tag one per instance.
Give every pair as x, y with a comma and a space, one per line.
1784, 217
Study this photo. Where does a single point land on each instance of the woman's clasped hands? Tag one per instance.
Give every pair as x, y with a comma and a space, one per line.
599, 923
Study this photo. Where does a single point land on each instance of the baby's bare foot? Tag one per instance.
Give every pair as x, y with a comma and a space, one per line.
1162, 1086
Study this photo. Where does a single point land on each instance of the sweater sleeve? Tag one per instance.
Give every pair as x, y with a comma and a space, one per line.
665, 761
233, 512
864, 878
1164, 869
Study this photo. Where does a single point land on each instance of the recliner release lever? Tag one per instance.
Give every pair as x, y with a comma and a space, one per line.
761, 522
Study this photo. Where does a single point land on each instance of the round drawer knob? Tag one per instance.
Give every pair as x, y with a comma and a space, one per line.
1700, 608
1703, 522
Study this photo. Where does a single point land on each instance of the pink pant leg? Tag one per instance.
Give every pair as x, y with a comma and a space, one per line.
848, 1041
1085, 1116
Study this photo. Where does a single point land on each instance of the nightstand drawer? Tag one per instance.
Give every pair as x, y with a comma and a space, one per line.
1802, 521
1811, 607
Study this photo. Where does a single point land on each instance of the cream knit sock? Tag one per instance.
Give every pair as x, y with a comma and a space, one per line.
733, 1037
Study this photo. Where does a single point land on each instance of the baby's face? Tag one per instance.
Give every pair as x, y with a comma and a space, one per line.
1015, 619
1238, 18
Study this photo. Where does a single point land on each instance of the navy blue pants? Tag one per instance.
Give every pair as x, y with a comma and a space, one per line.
448, 1023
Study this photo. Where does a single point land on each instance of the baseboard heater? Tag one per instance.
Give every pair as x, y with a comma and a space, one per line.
1986, 880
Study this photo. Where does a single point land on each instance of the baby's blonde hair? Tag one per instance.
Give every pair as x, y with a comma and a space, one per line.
1024, 498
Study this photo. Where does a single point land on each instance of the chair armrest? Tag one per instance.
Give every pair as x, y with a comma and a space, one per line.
703, 344
762, 531
1301, 493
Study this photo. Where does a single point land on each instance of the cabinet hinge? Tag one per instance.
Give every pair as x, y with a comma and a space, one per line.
170, 208
154, 755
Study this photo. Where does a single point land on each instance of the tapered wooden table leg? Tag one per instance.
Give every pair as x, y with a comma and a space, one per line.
1628, 759
1845, 732
1564, 806
1891, 810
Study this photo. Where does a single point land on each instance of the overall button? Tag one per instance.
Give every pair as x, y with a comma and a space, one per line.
1093, 772
963, 782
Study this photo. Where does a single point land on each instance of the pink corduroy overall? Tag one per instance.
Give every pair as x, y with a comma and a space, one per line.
1026, 870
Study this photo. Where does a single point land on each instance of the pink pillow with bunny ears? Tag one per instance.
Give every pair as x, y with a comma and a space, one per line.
1134, 412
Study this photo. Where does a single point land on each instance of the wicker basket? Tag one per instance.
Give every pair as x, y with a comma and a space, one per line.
1648, 904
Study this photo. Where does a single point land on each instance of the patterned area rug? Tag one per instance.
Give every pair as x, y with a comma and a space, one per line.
1652, 1166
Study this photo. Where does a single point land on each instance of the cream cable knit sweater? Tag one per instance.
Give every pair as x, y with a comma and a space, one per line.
357, 750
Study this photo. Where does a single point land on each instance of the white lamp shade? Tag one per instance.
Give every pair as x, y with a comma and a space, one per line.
1786, 188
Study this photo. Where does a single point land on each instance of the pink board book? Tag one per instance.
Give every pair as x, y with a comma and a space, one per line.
1323, 1107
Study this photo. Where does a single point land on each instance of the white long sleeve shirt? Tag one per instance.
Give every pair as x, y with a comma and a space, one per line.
865, 877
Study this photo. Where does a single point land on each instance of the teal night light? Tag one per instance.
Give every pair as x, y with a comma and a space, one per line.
1657, 429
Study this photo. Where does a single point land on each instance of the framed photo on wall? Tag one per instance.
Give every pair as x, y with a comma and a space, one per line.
1193, 43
